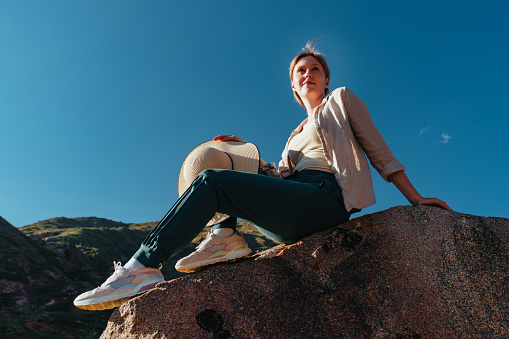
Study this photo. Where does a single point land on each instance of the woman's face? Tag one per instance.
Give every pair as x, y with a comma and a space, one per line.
309, 79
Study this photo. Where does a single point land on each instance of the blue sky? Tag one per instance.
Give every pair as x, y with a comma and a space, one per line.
100, 101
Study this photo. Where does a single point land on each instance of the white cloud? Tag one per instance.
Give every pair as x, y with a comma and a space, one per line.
445, 138
424, 130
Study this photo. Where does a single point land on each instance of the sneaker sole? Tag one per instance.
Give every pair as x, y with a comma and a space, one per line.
232, 255
106, 305
109, 304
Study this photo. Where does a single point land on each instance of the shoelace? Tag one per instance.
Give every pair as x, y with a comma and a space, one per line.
204, 242
118, 271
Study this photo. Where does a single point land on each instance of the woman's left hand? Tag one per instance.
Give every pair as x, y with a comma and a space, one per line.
401, 181
434, 202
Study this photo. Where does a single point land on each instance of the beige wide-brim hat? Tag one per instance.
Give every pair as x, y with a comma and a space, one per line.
231, 155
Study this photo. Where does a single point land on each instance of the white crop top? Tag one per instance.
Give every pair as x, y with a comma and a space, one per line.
306, 150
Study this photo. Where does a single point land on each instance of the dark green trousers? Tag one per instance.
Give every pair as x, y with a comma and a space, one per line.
285, 210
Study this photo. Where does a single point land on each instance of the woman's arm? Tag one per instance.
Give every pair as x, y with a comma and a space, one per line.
379, 153
401, 181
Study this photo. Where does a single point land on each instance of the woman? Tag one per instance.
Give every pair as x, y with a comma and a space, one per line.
327, 178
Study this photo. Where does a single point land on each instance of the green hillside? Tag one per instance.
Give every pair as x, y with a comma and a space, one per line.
44, 266
36, 292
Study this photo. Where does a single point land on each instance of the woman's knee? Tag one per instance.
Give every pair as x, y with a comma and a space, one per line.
212, 175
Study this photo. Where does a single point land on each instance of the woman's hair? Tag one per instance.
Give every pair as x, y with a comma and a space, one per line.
309, 50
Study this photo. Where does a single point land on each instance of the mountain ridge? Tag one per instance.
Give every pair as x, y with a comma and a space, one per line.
43, 266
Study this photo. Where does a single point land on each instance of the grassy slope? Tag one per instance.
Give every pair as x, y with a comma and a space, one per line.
36, 292
102, 241
64, 257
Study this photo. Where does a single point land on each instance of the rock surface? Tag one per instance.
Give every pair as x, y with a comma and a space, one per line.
406, 272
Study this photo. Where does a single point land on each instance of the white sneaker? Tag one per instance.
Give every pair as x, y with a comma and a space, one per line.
119, 288
213, 250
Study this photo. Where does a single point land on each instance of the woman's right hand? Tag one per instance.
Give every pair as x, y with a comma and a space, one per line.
228, 138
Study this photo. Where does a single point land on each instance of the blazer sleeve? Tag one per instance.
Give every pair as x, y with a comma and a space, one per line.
368, 136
